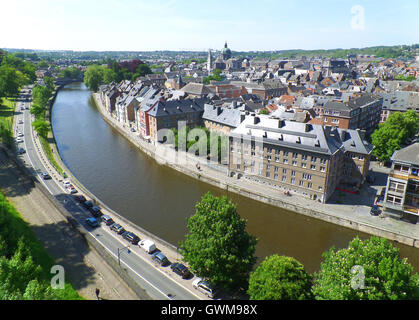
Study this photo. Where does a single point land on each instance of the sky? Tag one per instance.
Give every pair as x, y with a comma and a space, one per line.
197, 25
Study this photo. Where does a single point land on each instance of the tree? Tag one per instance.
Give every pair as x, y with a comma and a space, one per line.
367, 270
217, 246
37, 111
42, 127
391, 135
9, 81
280, 278
93, 77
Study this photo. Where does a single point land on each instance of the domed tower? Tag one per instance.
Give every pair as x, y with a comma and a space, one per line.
226, 52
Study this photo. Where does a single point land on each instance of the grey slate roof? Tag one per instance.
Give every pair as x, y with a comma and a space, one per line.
225, 116
313, 138
409, 155
166, 108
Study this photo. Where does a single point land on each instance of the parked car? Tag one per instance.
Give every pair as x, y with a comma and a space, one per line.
375, 210
20, 134
148, 246
71, 190
20, 121
181, 270
80, 198
205, 287
160, 258
66, 183
95, 210
131, 237
46, 176
117, 228
19, 140
88, 204
21, 151
92, 222
107, 220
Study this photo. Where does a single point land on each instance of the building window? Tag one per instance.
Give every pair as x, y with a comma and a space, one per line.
304, 165
286, 153
275, 176
294, 163
394, 200
293, 173
313, 159
304, 157
268, 174
322, 169
285, 161
276, 159
276, 169
310, 185
323, 161
295, 155
313, 167
301, 183
292, 180
284, 171
284, 179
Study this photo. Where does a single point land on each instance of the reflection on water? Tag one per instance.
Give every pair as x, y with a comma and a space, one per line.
160, 199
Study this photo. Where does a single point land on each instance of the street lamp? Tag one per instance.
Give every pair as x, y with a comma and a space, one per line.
119, 253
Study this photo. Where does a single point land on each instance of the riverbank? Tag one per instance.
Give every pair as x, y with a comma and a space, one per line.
355, 217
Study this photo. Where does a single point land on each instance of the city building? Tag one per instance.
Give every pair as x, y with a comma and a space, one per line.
402, 192
299, 158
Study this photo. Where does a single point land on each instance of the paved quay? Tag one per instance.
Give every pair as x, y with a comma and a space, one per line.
341, 208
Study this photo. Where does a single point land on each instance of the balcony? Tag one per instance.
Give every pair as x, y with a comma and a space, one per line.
411, 209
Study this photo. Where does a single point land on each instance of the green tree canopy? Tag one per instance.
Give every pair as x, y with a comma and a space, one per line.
367, 270
217, 246
280, 278
42, 127
391, 134
93, 77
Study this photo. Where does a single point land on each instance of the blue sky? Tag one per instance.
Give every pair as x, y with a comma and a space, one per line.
143, 25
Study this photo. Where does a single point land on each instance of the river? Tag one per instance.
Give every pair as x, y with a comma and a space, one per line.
160, 199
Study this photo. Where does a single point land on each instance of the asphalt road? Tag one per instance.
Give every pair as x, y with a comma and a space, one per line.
153, 279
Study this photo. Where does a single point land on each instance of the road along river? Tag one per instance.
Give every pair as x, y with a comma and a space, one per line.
160, 199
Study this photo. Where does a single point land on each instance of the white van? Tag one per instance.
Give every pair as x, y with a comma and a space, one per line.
148, 246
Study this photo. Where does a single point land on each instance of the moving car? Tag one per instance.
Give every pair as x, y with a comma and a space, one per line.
117, 228
181, 270
160, 258
92, 222
205, 287
148, 246
46, 176
131, 237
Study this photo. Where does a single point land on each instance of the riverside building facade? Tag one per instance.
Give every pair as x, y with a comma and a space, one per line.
297, 158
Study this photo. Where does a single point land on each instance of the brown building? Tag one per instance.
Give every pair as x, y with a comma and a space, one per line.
362, 111
304, 159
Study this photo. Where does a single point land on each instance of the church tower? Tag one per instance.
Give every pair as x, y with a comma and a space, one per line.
209, 62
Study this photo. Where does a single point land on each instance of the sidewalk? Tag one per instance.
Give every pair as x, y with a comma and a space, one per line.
347, 213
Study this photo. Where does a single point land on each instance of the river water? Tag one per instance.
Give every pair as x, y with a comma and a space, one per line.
160, 199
